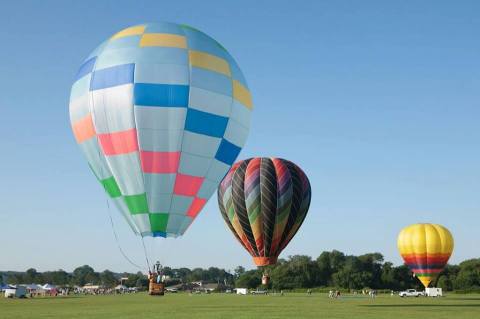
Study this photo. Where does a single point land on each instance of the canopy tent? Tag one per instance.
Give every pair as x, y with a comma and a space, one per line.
34, 287
5, 286
49, 287
121, 287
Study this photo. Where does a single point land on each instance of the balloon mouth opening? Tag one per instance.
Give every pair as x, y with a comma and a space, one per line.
265, 261
426, 281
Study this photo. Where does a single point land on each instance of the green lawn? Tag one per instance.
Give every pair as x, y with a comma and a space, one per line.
213, 306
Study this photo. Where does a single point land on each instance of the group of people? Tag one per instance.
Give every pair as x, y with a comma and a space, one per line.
156, 274
336, 293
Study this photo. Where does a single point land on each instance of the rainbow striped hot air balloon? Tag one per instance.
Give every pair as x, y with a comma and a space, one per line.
425, 248
264, 201
160, 111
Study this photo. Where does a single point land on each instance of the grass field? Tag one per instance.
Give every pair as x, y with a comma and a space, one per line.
142, 306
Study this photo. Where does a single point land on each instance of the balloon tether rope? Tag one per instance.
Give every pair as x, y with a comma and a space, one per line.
118, 241
146, 255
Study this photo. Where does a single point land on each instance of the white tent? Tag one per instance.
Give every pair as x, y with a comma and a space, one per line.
121, 287
34, 288
49, 287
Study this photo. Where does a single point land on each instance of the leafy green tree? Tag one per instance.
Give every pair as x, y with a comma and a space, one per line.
353, 275
30, 276
337, 260
249, 279
332, 268
387, 276
108, 278
324, 266
58, 277
372, 264
468, 276
83, 275
167, 271
15, 278
181, 273
142, 282
239, 270
445, 283
405, 279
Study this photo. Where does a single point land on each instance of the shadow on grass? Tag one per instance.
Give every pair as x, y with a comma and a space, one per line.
467, 298
53, 298
423, 306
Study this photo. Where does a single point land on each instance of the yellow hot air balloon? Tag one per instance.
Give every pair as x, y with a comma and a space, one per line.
425, 248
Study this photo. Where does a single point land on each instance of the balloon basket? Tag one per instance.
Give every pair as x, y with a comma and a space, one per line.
156, 289
265, 280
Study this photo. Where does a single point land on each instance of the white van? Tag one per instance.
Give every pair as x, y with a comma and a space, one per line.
241, 291
433, 292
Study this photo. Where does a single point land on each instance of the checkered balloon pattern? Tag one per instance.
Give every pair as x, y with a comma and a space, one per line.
160, 111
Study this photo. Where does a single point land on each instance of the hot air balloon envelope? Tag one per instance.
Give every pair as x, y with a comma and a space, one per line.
264, 202
425, 248
161, 112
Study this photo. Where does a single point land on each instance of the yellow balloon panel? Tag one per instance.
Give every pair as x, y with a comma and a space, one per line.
425, 249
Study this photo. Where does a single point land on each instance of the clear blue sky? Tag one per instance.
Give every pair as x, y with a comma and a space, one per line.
379, 103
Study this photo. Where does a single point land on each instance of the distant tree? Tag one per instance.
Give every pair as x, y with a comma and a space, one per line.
30, 275
136, 280
142, 282
468, 276
445, 283
215, 274
15, 278
108, 278
405, 279
239, 270
58, 277
372, 264
182, 273
447, 277
332, 268
353, 275
387, 276
132, 279
337, 260
167, 271
297, 271
249, 279
196, 274
83, 275
324, 266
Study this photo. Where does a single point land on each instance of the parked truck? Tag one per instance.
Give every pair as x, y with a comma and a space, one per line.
434, 292
411, 293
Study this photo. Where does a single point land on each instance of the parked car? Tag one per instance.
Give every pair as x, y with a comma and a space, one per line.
259, 292
411, 293
172, 290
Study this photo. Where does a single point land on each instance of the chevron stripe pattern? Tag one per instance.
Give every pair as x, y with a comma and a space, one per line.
264, 201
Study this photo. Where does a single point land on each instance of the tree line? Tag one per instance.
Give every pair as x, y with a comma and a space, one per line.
330, 269
337, 270
87, 275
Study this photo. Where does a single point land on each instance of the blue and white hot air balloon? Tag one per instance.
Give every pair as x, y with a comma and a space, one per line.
161, 112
